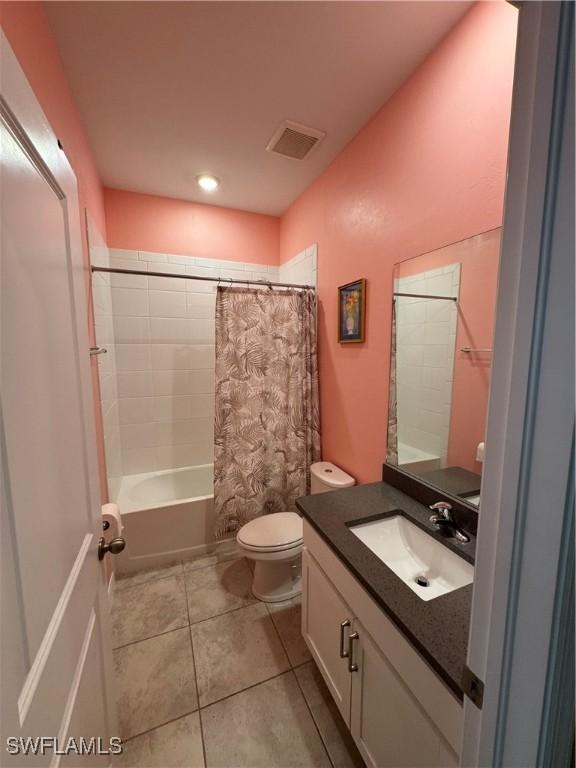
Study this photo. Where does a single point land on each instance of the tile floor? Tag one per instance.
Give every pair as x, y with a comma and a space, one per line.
208, 676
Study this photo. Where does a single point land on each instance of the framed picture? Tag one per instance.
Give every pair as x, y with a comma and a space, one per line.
352, 312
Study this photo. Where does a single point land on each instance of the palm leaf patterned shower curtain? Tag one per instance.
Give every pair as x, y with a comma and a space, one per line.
267, 431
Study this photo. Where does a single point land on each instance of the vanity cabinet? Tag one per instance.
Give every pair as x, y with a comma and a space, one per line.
398, 710
386, 721
326, 612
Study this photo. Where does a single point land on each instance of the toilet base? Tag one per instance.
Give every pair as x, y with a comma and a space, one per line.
277, 580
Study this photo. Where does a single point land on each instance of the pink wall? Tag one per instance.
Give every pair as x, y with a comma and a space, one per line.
427, 170
479, 259
26, 27
166, 225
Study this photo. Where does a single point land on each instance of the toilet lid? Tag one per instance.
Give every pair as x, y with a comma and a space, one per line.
280, 529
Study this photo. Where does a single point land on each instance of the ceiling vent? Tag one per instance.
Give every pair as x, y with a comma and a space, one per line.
294, 140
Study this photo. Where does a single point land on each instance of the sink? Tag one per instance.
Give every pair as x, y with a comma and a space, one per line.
424, 564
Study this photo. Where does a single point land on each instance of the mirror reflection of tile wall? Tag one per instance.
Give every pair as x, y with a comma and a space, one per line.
443, 361
426, 335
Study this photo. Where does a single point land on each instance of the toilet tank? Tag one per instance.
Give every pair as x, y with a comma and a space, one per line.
325, 476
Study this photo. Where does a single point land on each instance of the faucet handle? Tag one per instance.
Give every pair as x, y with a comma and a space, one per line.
445, 520
444, 509
441, 505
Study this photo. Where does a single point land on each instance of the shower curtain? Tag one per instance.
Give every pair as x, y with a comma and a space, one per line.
267, 431
392, 443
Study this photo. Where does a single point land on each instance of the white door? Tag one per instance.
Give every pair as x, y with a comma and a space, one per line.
388, 724
326, 624
55, 654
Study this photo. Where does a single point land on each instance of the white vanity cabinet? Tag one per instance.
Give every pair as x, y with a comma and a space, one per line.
399, 711
326, 612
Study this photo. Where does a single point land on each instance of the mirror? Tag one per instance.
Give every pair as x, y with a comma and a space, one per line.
441, 354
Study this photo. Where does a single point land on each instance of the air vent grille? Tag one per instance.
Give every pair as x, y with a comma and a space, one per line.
294, 140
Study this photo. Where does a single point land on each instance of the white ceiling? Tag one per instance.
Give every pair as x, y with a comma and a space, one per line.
171, 89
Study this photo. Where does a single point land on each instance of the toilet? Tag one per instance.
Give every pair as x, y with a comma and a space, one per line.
274, 542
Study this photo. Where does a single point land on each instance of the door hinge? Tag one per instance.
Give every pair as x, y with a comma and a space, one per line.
473, 687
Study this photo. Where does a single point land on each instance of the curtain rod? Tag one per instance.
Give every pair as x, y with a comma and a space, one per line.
424, 296
224, 280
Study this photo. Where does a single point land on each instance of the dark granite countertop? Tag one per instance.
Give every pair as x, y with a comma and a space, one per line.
437, 628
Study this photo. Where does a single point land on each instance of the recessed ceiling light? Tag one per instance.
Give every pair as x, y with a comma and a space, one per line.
207, 182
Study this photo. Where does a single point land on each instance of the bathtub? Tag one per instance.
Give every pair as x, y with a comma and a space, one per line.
167, 515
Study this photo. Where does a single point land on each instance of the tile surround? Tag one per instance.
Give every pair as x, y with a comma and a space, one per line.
160, 366
160, 334
107, 369
426, 337
302, 268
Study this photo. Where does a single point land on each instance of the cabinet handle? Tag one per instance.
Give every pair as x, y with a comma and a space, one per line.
352, 666
343, 652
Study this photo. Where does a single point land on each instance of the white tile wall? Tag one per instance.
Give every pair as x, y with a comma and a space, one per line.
302, 269
426, 336
162, 330
157, 381
105, 337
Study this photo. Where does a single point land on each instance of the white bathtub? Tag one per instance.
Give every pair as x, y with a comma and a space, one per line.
167, 515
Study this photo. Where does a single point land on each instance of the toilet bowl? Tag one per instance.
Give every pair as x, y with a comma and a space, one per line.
274, 542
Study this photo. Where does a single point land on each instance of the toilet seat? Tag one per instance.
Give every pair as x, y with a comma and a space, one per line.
277, 532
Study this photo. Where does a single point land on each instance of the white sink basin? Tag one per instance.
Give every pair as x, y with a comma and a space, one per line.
412, 554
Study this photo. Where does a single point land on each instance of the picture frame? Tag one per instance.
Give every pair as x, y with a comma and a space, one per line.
352, 312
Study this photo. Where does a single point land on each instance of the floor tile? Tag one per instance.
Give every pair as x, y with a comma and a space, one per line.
217, 589
268, 725
221, 554
175, 745
149, 574
154, 682
149, 609
287, 620
236, 650
335, 735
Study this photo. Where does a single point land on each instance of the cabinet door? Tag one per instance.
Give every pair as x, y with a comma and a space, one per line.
323, 611
387, 723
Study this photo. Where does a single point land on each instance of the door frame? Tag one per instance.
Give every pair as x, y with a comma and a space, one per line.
521, 643
28, 113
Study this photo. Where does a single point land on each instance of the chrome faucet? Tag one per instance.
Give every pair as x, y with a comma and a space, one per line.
444, 520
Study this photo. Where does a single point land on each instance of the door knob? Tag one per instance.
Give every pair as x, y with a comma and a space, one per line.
114, 547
